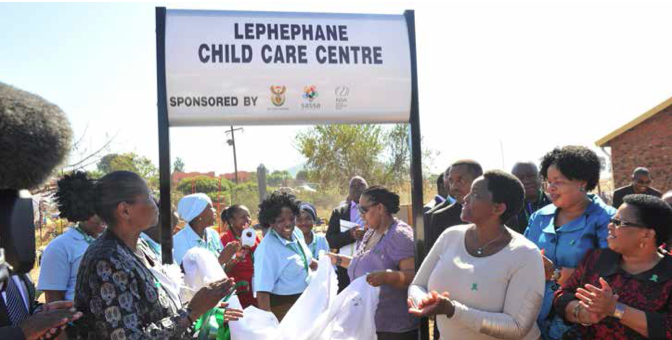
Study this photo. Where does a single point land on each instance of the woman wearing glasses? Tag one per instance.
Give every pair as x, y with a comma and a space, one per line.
386, 256
625, 291
565, 230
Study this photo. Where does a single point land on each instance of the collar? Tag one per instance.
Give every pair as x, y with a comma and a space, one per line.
314, 238
596, 204
78, 236
192, 236
609, 264
282, 240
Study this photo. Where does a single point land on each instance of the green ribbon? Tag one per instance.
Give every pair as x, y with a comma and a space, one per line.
211, 325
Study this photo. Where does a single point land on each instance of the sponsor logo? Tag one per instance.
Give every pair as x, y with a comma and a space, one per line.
278, 95
341, 93
310, 94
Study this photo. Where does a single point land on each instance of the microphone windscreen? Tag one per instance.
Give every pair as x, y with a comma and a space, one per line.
35, 138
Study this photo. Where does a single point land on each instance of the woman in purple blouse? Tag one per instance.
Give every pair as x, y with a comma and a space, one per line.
386, 257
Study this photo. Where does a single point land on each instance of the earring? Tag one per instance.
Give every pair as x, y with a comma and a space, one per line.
641, 245
582, 189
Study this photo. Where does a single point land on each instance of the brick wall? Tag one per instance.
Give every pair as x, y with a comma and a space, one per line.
648, 144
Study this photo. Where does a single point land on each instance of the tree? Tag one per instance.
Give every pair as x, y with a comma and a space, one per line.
204, 184
335, 153
178, 166
397, 169
302, 175
278, 178
131, 161
105, 163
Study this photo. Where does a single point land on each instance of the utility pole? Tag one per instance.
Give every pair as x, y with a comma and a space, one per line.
232, 142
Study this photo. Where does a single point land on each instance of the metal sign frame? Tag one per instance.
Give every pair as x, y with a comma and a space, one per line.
164, 149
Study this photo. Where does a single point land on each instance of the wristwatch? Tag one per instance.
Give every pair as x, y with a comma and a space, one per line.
619, 311
339, 260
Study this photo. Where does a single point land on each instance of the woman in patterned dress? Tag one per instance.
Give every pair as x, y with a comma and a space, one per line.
118, 294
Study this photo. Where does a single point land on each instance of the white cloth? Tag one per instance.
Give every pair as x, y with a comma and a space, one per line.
351, 315
319, 314
192, 205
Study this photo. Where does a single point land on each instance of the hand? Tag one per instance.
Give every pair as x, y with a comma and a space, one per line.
48, 323
549, 267
432, 304
333, 257
601, 301
231, 314
313, 264
230, 249
565, 274
357, 233
209, 296
377, 278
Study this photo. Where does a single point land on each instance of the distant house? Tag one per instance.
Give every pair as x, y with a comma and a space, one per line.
178, 176
645, 141
243, 176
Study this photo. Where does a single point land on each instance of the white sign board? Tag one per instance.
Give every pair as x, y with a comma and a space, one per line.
246, 68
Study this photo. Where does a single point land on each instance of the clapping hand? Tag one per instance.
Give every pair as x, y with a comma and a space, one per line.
598, 301
432, 304
549, 267
48, 323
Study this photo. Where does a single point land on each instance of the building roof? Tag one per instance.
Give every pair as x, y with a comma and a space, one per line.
604, 141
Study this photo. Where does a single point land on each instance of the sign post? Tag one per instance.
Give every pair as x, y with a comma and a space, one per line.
224, 68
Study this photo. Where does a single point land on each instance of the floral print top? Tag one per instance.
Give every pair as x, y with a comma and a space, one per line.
650, 292
121, 299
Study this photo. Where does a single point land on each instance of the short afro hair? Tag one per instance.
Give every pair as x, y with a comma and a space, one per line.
74, 197
379, 194
653, 213
575, 163
270, 208
506, 188
473, 167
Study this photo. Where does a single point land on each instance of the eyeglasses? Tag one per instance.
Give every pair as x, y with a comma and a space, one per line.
620, 223
363, 210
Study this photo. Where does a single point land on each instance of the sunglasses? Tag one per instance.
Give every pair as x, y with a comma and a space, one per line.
363, 210
620, 223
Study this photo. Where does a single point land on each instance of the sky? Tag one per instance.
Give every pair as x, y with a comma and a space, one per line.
499, 82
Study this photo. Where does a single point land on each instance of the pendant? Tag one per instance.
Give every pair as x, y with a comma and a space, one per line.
479, 251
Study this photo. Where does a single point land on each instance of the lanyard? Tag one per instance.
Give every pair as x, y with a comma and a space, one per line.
293, 247
87, 238
209, 244
529, 208
155, 247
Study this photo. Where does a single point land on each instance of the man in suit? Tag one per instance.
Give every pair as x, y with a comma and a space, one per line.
22, 318
347, 211
460, 176
442, 188
535, 198
641, 184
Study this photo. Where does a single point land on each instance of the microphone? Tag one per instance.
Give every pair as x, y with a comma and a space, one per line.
35, 138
